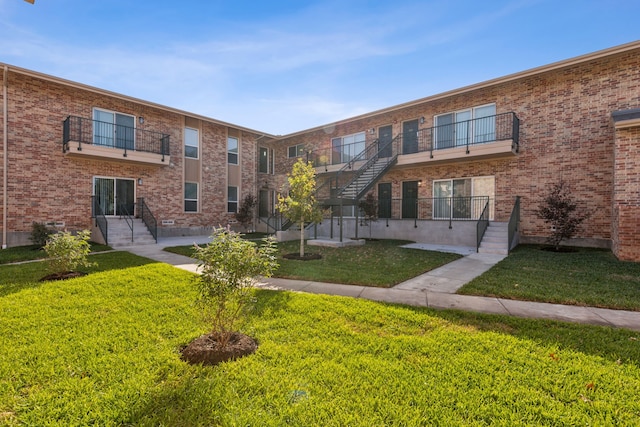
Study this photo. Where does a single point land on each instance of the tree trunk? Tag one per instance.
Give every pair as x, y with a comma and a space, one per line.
301, 239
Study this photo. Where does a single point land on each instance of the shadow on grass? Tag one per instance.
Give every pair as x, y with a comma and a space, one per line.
18, 277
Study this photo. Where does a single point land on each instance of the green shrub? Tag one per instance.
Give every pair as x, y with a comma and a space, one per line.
67, 252
229, 265
40, 233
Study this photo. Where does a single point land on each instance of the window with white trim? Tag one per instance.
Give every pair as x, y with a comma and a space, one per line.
232, 199
191, 197
114, 129
191, 142
464, 127
232, 150
463, 198
296, 150
345, 148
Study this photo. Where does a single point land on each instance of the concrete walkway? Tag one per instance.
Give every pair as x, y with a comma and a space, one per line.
435, 289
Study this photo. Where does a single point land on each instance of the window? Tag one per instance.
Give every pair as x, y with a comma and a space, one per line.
346, 148
296, 150
113, 129
263, 161
232, 150
232, 199
191, 142
462, 198
471, 126
191, 197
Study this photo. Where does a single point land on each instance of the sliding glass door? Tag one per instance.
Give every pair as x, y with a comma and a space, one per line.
114, 196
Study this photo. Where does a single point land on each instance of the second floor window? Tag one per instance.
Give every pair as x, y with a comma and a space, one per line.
296, 150
470, 126
345, 148
232, 150
113, 129
263, 161
191, 142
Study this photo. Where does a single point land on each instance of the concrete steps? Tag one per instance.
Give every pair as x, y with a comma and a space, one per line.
495, 239
120, 233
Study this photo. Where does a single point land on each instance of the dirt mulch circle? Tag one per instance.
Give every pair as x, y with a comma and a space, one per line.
63, 275
206, 349
306, 257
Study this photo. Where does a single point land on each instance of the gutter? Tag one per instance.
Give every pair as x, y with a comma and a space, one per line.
5, 152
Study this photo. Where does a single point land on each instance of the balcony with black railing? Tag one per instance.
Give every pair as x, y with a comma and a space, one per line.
485, 137
108, 141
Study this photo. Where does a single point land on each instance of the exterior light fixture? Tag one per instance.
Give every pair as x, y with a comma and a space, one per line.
141, 120
139, 181
422, 120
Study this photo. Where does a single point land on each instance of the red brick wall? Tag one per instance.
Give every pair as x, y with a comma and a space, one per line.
566, 133
45, 185
626, 203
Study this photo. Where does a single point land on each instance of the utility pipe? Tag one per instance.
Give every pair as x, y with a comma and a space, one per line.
5, 152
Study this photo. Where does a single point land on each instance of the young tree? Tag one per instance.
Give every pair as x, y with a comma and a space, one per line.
229, 265
369, 207
301, 206
245, 214
67, 252
559, 210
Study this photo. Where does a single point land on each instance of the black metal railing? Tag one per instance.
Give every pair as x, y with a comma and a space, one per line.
100, 218
500, 127
124, 214
482, 224
435, 208
514, 221
81, 131
144, 213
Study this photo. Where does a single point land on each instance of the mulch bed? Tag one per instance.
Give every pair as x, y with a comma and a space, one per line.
206, 349
63, 275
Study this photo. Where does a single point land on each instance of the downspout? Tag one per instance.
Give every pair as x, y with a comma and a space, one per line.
5, 152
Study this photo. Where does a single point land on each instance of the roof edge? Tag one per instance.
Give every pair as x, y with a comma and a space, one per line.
120, 96
487, 83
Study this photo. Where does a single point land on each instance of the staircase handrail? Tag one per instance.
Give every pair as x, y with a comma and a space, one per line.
482, 224
148, 218
101, 219
124, 213
514, 220
372, 160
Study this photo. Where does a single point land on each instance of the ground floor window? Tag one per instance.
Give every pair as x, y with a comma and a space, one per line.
460, 198
191, 197
232, 199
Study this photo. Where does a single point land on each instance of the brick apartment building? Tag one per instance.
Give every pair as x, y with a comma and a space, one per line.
76, 156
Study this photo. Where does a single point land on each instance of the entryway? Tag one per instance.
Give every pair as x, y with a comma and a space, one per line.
115, 196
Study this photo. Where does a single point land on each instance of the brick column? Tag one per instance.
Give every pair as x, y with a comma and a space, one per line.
626, 193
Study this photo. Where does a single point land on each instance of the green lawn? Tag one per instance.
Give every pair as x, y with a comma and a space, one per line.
588, 277
33, 252
104, 350
381, 263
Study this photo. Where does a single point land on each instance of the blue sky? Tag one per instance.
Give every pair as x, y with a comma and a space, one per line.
285, 66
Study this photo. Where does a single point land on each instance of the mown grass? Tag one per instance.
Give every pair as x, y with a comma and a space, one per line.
104, 350
589, 277
34, 252
381, 263
15, 277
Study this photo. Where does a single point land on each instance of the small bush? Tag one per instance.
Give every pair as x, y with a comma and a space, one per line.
40, 233
67, 252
